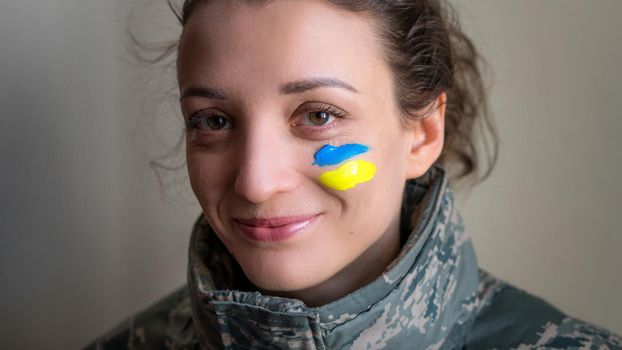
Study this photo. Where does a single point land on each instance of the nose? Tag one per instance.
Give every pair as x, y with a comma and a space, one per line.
266, 166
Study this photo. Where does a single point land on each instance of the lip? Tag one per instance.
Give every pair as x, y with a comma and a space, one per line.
275, 228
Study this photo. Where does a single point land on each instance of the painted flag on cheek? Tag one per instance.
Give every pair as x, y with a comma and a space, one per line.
349, 174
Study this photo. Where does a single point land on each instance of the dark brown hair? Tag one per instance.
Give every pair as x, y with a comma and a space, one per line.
429, 54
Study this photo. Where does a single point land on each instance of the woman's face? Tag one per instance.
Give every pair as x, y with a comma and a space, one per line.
264, 89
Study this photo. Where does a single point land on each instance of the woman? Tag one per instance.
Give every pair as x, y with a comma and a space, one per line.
318, 134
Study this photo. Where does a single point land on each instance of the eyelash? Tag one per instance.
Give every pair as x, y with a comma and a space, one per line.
195, 118
321, 107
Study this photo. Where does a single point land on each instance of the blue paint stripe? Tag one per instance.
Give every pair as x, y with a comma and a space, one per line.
331, 155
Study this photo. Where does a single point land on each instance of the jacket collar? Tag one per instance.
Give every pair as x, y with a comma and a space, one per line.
421, 298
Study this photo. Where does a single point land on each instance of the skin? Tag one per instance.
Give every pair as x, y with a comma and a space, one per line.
260, 163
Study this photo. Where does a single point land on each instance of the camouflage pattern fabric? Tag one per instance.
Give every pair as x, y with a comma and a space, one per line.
432, 296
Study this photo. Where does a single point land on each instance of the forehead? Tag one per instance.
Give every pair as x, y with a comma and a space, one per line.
226, 41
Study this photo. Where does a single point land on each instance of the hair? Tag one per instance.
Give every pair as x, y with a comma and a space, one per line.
428, 54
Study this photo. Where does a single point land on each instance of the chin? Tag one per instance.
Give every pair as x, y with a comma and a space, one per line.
276, 275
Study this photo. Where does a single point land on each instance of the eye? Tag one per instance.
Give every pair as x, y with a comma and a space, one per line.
318, 118
320, 114
203, 121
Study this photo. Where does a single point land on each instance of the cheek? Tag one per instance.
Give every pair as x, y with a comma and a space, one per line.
207, 178
376, 200
391, 156
375, 204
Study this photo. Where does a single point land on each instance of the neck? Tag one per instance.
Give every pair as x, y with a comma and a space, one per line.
363, 270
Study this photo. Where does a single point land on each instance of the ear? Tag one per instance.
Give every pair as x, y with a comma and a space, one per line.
427, 138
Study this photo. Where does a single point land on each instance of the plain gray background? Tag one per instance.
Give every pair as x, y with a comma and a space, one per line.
88, 236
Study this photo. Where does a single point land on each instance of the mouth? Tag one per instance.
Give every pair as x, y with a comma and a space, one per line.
272, 229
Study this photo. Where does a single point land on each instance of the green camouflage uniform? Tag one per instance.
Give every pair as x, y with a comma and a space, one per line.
432, 296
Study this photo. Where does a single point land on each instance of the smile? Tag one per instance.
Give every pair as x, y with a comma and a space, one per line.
275, 228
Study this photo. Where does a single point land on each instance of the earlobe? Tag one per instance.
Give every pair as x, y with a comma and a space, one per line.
427, 135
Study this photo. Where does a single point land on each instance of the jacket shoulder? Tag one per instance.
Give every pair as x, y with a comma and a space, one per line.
509, 317
165, 324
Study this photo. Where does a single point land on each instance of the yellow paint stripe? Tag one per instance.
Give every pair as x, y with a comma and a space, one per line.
348, 175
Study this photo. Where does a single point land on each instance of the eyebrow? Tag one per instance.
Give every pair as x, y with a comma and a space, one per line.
299, 86
294, 87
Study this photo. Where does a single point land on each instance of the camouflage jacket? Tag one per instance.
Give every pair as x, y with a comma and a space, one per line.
432, 296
